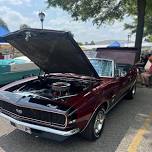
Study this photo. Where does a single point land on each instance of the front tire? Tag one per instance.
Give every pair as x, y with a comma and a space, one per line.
95, 127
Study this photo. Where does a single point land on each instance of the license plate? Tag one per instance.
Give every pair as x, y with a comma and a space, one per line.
22, 128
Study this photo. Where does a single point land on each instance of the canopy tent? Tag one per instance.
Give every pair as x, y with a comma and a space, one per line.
3, 31
114, 44
4, 47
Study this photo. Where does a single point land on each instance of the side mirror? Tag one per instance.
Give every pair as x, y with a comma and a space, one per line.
123, 73
119, 73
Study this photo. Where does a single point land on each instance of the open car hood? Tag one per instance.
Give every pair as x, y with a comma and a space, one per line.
124, 55
53, 51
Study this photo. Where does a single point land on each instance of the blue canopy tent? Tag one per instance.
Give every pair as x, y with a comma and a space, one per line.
3, 31
115, 44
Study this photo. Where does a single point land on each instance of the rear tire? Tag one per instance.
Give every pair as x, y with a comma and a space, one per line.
95, 127
130, 95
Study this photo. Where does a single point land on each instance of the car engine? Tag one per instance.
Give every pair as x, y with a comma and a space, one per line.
53, 89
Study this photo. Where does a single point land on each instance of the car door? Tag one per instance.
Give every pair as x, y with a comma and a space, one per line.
124, 77
123, 85
113, 92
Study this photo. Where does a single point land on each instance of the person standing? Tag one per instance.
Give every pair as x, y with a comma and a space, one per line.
148, 73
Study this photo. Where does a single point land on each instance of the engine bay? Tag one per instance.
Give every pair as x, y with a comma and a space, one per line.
54, 88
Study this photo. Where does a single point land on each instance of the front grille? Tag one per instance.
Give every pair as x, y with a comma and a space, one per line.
26, 112
25, 119
33, 115
58, 119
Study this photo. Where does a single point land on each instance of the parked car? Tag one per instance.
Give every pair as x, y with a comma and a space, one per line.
17, 68
75, 94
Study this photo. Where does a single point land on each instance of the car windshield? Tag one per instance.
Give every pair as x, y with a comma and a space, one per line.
102, 66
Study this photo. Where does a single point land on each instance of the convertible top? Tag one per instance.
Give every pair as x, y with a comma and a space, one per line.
123, 55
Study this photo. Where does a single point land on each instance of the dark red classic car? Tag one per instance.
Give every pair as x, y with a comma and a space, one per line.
75, 93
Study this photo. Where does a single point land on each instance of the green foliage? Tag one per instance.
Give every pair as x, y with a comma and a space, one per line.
3, 24
98, 11
80, 43
149, 38
132, 27
147, 27
131, 7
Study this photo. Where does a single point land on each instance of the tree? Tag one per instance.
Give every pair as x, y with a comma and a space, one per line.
86, 43
147, 26
80, 43
141, 7
106, 11
148, 38
92, 43
22, 26
3, 24
100, 11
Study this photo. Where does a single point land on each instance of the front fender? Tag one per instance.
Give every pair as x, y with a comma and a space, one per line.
85, 111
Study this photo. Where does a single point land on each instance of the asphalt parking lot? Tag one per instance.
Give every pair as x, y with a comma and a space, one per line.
128, 128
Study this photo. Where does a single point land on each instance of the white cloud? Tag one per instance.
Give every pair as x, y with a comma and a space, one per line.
13, 18
15, 2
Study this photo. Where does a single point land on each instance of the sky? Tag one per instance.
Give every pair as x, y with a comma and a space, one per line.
17, 12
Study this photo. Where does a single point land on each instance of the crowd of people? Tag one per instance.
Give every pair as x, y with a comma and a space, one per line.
146, 74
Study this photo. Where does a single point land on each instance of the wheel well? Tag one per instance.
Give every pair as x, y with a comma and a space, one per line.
104, 105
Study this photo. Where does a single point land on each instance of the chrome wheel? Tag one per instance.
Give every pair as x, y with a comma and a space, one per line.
95, 126
99, 121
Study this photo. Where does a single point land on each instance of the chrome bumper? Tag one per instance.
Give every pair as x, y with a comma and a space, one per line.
41, 128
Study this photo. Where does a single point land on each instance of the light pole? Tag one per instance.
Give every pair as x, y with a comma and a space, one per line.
129, 38
41, 16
